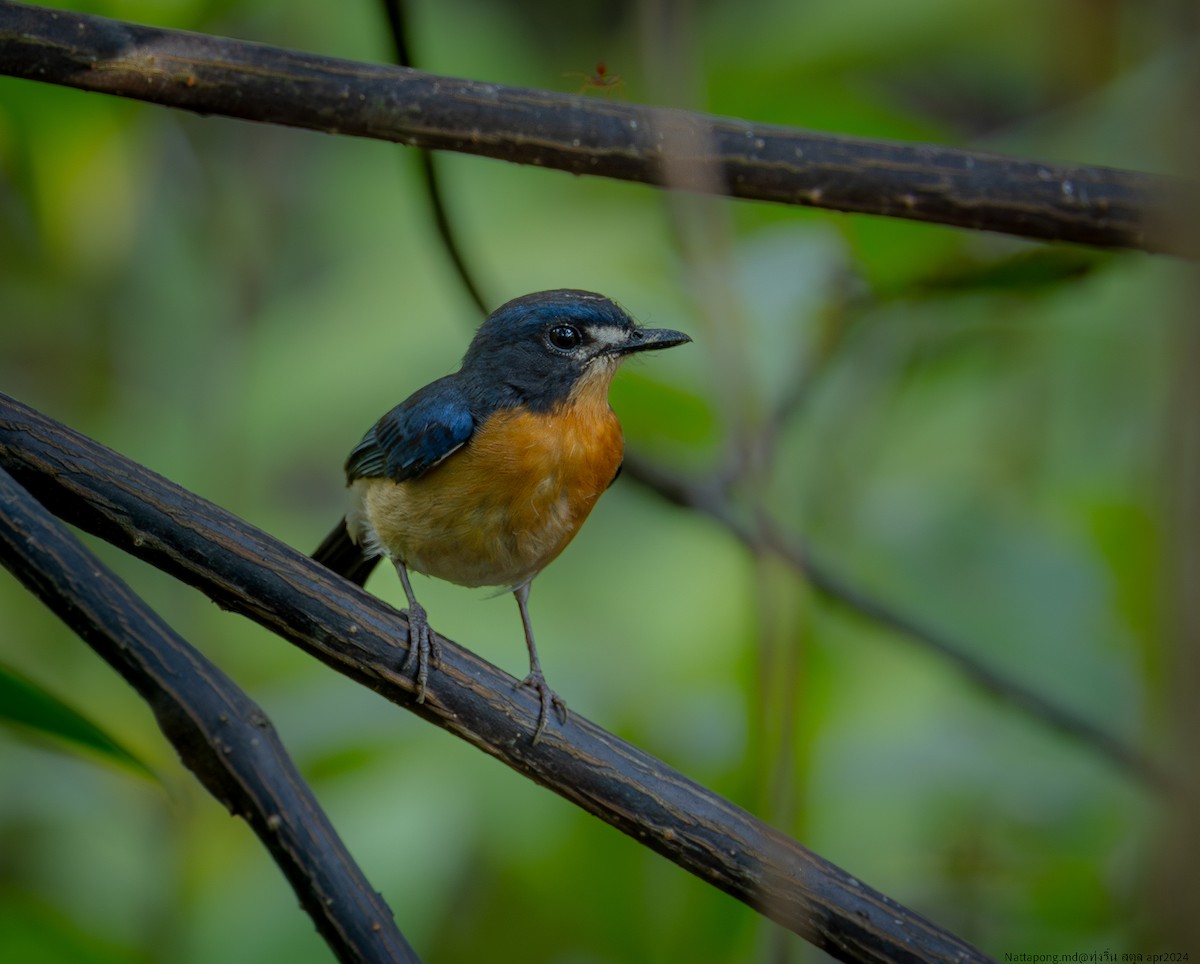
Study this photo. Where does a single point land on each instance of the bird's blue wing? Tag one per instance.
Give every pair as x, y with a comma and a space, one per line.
415, 435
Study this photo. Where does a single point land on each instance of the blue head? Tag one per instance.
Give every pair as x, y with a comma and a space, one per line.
536, 350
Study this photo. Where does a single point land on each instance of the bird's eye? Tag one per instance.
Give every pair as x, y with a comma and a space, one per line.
565, 337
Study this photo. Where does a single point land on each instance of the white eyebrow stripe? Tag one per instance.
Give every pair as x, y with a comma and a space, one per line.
608, 335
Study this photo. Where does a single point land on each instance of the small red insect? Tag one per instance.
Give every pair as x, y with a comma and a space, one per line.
600, 80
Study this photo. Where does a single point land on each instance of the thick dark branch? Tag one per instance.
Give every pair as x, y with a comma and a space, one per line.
246, 570
676, 149
221, 735
763, 535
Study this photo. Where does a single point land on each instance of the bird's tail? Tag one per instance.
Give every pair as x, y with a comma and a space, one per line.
341, 554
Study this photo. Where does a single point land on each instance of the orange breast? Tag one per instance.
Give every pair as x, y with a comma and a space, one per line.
506, 504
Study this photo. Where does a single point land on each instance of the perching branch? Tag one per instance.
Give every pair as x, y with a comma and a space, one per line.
670, 148
221, 735
763, 535
247, 571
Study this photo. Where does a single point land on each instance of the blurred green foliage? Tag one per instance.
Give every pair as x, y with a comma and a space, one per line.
979, 441
25, 704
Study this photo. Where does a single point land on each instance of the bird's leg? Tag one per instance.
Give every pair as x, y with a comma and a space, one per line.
422, 648
535, 678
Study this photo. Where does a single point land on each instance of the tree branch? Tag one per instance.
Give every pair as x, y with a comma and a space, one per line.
763, 535
671, 148
221, 735
394, 12
247, 571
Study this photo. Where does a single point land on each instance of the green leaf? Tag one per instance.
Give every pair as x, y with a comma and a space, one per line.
25, 705
656, 412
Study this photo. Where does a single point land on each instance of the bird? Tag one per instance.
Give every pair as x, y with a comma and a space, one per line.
483, 476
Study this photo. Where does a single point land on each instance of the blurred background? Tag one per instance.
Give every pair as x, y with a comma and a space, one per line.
985, 434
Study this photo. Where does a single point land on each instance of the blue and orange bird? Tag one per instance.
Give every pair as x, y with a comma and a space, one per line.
484, 476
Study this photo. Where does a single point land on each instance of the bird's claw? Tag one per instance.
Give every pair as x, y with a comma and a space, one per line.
548, 698
423, 649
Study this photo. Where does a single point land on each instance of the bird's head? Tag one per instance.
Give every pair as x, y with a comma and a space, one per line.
541, 349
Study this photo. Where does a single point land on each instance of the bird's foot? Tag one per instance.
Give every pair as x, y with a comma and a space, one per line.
548, 698
422, 649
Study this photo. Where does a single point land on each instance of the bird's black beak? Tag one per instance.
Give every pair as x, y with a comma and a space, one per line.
651, 339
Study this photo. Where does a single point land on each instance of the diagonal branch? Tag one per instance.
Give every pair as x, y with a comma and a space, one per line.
765, 535
670, 148
245, 570
220, 734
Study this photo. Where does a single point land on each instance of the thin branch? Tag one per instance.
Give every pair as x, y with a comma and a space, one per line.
670, 148
247, 571
764, 535
394, 11
220, 734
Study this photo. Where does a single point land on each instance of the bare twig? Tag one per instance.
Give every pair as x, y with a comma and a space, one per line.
247, 571
394, 11
764, 535
221, 735
211, 75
